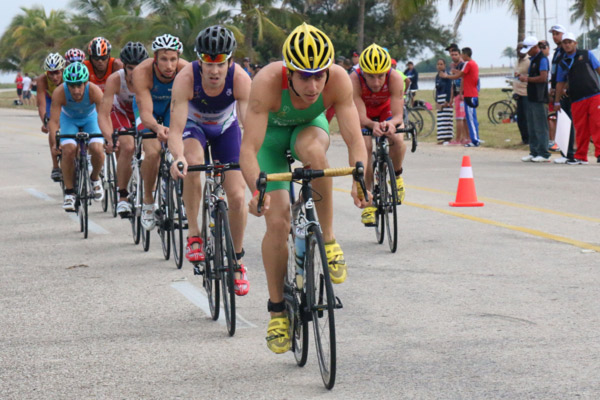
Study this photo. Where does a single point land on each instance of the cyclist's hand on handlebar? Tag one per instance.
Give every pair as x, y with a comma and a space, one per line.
359, 197
44, 129
387, 128
109, 147
56, 151
175, 172
162, 133
253, 205
377, 129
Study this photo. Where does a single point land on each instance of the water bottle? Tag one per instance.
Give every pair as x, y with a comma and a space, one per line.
300, 245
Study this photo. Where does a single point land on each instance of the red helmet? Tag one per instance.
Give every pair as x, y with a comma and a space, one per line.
99, 47
73, 55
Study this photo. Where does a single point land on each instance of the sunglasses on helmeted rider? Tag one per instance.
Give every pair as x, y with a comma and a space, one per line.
307, 74
214, 59
99, 58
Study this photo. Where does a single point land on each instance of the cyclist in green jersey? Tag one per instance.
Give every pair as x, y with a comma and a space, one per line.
286, 111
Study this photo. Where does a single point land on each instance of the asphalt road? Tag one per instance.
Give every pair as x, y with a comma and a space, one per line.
500, 301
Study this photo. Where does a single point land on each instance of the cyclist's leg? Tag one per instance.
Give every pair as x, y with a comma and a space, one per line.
309, 144
149, 168
68, 151
96, 145
55, 165
194, 142
369, 168
121, 121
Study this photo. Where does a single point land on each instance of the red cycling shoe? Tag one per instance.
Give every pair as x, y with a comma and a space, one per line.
194, 255
241, 286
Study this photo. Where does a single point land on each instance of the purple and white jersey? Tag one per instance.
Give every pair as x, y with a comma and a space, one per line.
213, 114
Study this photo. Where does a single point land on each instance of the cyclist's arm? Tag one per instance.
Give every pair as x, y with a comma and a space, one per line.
113, 85
340, 95
182, 93
58, 100
142, 84
396, 87
41, 98
365, 121
263, 97
241, 91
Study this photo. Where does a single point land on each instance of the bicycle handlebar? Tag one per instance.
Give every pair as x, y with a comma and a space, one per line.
307, 174
369, 132
210, 167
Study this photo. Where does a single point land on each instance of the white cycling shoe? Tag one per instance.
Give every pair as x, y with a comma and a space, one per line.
98, 190
148, 220
124, 208
69, 202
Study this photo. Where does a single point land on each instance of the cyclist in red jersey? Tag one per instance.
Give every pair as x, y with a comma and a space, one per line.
101, 65
116, 113
378, 92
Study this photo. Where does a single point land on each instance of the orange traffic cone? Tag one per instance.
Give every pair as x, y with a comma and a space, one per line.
465, 194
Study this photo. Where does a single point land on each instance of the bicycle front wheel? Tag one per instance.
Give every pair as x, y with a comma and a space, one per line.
164, 218
175, 206
145, 233
377, 193
112, 182
322, 304
389, 203
135, 200
227, 265
295, 299
83, 198
211, 274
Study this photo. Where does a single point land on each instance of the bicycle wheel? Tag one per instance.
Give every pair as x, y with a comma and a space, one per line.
322, 305
427, 121
211, 275
83, 199
227, 265
500, 111
389, 202
112, 182
377, 191
416, 119
177, 219
104, 177
145, 234
163, 220
295, 300
135, 200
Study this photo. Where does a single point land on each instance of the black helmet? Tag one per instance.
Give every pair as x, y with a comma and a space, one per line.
133, 53
215, 40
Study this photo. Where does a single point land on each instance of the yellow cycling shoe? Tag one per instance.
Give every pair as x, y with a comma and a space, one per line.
278, 335
336, 262
368, 216
400, 189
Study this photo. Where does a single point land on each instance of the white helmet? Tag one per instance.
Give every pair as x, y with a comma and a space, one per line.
54, 62
167, 42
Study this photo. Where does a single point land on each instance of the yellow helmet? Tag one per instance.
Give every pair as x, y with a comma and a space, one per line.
375, 60
307, 49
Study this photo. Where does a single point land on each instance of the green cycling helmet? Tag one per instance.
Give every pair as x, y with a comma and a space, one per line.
76, 73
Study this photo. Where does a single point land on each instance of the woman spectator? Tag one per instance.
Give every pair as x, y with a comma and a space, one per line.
443, 98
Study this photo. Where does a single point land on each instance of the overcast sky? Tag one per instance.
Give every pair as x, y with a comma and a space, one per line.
487, 30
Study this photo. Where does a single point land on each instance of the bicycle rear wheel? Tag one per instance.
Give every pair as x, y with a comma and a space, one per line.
427, 121
378, 187
389, 202
211, 265
177, 219
295, 299
164, 222
322, 304
500, 112
227, 265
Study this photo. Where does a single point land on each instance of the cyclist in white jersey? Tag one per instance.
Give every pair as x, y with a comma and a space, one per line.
116, 113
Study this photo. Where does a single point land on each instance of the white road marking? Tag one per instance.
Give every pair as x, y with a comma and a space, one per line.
38, 194
197, 297
92, 226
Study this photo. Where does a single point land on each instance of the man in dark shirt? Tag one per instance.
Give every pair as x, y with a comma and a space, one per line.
412, 74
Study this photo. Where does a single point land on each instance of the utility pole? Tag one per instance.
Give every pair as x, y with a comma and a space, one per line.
545, 21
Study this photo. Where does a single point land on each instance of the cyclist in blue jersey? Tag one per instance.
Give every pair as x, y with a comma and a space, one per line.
208, 94
74, 106
152, 83
54, 66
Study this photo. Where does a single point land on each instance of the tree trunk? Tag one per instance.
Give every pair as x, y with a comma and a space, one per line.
247, 12
522, 23
361, 25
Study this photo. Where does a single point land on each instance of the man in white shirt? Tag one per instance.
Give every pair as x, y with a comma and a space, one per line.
27, 89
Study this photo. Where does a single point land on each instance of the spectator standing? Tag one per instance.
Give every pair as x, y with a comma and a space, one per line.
443, 99
462, 133
27, 89
520, 93
413, 75
19, 82
557, 32
355, 59
552, 146
34, 90
246, 66
578, 68
470, 92
537, 95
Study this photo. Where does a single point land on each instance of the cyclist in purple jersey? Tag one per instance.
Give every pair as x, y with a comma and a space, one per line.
207, 96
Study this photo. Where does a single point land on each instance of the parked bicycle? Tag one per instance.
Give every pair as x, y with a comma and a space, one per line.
308, 292
503, 111
83, 184
416, 111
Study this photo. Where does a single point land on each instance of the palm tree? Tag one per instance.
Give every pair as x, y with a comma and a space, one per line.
587, 11
509, 53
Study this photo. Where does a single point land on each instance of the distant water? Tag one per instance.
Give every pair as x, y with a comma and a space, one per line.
487, 82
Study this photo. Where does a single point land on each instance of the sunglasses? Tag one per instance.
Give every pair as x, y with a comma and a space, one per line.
74, 85
307, 75
53, 72
216, 59
100, 58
